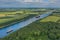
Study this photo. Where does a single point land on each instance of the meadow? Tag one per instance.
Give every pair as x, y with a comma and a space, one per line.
11, 17
43, 29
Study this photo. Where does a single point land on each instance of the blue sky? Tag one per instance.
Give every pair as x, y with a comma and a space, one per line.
29, 3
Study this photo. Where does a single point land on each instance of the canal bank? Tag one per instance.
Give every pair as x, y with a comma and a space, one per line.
10, 23
3, 32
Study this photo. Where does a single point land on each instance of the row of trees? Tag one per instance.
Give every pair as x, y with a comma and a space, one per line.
37, 31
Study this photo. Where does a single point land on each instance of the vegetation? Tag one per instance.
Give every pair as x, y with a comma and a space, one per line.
8, 17
44, 29
10, 21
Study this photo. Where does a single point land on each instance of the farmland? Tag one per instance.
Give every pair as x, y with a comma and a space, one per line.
10, 17
43, 29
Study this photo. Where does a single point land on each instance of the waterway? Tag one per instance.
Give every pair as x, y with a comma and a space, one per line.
15, 27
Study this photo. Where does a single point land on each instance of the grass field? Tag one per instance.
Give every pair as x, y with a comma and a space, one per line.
4, 21
10, 17
44, 29
51, 18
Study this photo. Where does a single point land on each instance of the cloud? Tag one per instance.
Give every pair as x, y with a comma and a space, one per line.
30, 3
28, 0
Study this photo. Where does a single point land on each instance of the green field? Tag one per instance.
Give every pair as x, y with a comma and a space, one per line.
7, 21
10, 17
44, 29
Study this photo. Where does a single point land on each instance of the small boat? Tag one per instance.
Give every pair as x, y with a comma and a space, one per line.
37, 16
9, 31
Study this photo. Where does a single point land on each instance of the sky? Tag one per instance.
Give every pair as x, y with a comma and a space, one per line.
30, 3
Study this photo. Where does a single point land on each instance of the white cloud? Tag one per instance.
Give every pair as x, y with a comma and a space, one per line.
36, 0
28, 1
53, 1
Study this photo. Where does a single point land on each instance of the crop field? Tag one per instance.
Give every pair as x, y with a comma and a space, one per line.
51, 18
43, 29
9, 17
6, 19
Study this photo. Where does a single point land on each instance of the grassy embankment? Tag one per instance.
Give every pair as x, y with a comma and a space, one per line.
44, 29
